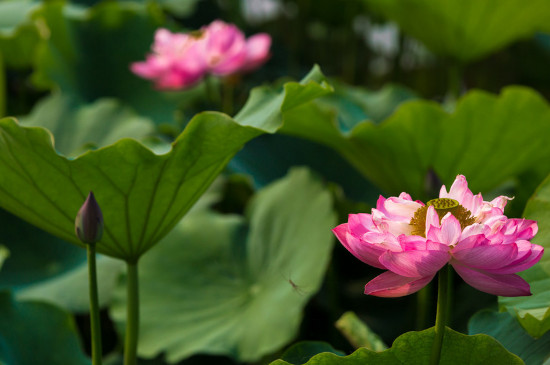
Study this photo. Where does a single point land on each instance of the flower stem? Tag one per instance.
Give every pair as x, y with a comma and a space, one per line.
213, 92
94, 306
227, 97
441, 317
423, 307
132, 314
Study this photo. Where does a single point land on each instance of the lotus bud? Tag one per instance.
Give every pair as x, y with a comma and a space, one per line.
89, 221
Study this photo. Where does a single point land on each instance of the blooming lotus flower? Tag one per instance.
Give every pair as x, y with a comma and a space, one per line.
181, 60
413, 241
175, 62
226, 51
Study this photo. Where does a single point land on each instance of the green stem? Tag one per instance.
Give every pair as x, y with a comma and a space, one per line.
227, 97
95, 320
132, 314
441, 317
212, 92
423, 307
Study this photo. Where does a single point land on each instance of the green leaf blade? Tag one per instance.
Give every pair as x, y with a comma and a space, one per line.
142, 194
242, 283
466, 30
481, 139
414, 348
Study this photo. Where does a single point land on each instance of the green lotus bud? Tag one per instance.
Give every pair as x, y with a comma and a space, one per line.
89, 221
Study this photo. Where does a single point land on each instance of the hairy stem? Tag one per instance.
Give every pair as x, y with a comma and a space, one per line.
441, 317
132, 314
422, 307
95, 320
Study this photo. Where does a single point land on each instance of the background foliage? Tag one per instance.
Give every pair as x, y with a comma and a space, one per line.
410, 94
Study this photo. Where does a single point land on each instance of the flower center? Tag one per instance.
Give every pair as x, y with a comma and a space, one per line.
442, 206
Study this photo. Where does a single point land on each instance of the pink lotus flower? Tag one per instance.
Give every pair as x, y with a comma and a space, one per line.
413, 241
226, 51
181, 60
175, 62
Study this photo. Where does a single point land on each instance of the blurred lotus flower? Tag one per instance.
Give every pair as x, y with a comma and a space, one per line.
414, 241
175, 62
181, 60
226, 50
257, 51
89, 221
223, 48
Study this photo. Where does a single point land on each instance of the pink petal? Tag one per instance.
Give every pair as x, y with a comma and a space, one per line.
469, 242
257, 50
391, 285
380, 203
224, 48
368, 253
432, 219
519, 229
400, 208
486, 256
500, 202
416, 263
509, 285
472, 230
459, 191
360, 223
144, 69
385, 241
448, 233
229, 65
413, 243
395, 226
528, 254
475, 204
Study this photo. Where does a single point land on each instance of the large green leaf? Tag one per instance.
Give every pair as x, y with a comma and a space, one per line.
270, 156
70, 290
505, 328
466, 29
481, 139
414, 348
78, 127
355, 104
18, 35
37, 333
534, 312
142, 194
69, 287
225, 284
